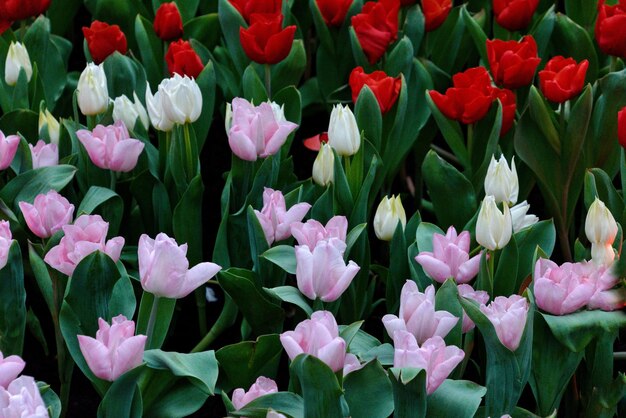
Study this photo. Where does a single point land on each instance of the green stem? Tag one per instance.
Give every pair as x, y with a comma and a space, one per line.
491, 262
225, 320
268, 81
613, 64
91, 122
64, 368
113, 180
470, 140
562, 222
151, 322
200, 295
189, 156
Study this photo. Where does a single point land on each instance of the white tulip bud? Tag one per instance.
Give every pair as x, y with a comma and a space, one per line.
343, 132
600, 225
17, 59
49, 123
324, 166
228, 119
501, 181
520, 218
128, 112
493, 227
155, 110
602, 254
181, 99
93, 94
279, 112
388, 214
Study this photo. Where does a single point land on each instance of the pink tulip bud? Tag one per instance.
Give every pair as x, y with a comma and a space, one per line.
8, 148
312, 231
275, 219
111, 147
319, 337
164, 268
418, 316
479, 296
262, 386
6, 240
561, 290
450, 258
10, 368
508, 316
115, 350
22, 399
44, 155
437, 359
351, 364
48, 213
86, 235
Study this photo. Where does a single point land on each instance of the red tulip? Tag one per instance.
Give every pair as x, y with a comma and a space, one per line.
514, 14
334, 11
376, 27
435, 12
13, 10
562, 78
611, 28
248, 7
182, 59
314, 143
507, 98
265, 41
104, 39
4, 25
385, 88
168, 24
621, 127
512, 63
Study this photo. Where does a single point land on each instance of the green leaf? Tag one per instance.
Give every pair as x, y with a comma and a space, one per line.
368, 392
451, 132
150, 50
447, 299
504, 279
284, 256
571, 40
409, 392
455, 398
200, 368
187, 220
289, 71
542, 235
104, 202
230, 22
369, 118
253, 87
40, 271
318, 385
282, 402
124, 76
21, 121
165, 312
205, 29
291, 295
476, 32
398, 268
207, 83
12, 303
123, 399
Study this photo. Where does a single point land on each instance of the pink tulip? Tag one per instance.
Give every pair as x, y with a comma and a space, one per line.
111, 147
10, 368
351, 364
86, 235
262, 386
115, 350
508, 316
48, 213
450, 258
8, 148
257, 131
312, 231
564, 289
22, 399
6, 240
319, 337
604, 296
418, 315
437, 359
479, 296
44, 155
322, 273
275, 219
164, 268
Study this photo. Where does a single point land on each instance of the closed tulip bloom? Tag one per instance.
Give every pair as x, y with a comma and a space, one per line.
8, 148
158, 118
168, 24
610, 30
418, 316
386, 89
93, 94
6, 240
479, 296
49, 124
562, 78
514, 14
351, 364
434, 357
86, 235
512, 63
508, 316
181, 99
311, 232
130, 112
17, 59
115, 350
450, 258
12, 10
319, 337
520, 218
103, 40
21, 399
334, 11
601, 230
324, 166
343, 132
501, 181
256, 131
493, 227
249, 7
182, 59
274, 217
111, 147
265, 41
564, 289
435, 13
164, 269
376, 27
389, 212
44, 155
10, 368
48, 214
262, 386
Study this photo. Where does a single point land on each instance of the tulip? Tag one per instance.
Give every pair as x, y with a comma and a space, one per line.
111, 147
256, 131
168, 24
334, 11
158, 118
183, 60
343, 132
562, 78
479, 296
249, 7
315, 142
93, 94
262, 386
610, 30
418, 316
47, 123
44, 155
434, 357
21, 398
386, 89
129, 113
265, 41
8, 148
324, 166
564, 289
319, 337
601, 230
274, 217
509, 104
6, 240
493, 228
17, 59
501, 181
513, 64
519, 217
164, 269
376, 27
514, 14
86, 235
311, 232
508, 316
10, 368
48, 214
351, 364
103, 40
435, 13
115, 350
388, 214
621, 127
450, 258
181, 99
12, 10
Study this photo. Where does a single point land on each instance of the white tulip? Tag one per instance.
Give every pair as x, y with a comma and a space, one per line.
324, 166
388, 214
17, 59
181, 99
47, 121
129, 112
343, 132
520, 218
279, 111
493, 227
602, 254
501, 181
155, 109
93, 94
600, 226
228, 119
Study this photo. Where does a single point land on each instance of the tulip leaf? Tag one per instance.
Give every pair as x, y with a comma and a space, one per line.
281, 402
253, 88
124, 76
598, 183
368, 392
200, 368
400, 59
353, 236
289, 71
446, 299
207, 83
451, 132
104, 202
187, 220
542, 30
455, 398
383, 353
123, 399
230, 22
476, 32
40, 271
369, 118
12, 303
485, 144
283, 256
321, 29
358, 54
398, 268
409, 392
20, 121
571, 40
542, 235
165, 312
450, 45
150, 50
341, 187
582, 12
291, 295
424, 235
318, 385
504, 279
414, 27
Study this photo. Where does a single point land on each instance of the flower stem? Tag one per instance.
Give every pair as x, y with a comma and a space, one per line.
190, 162
65, 364
268, 80
225, 320
91, 122
151, 322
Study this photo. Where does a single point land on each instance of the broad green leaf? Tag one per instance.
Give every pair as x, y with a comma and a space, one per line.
368, 392
291, 295
104, 202
283, 256
282, 402
318, 385
409, 392
12, 303
455, 398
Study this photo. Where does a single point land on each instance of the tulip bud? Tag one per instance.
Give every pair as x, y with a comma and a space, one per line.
49, 123
388, 214
520, 218
155, 110
324, 166
493, 228
343, 132
128, 112
10, 368
228, 119
181, 99
600, 225
93, 94
17, 59
501, 181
